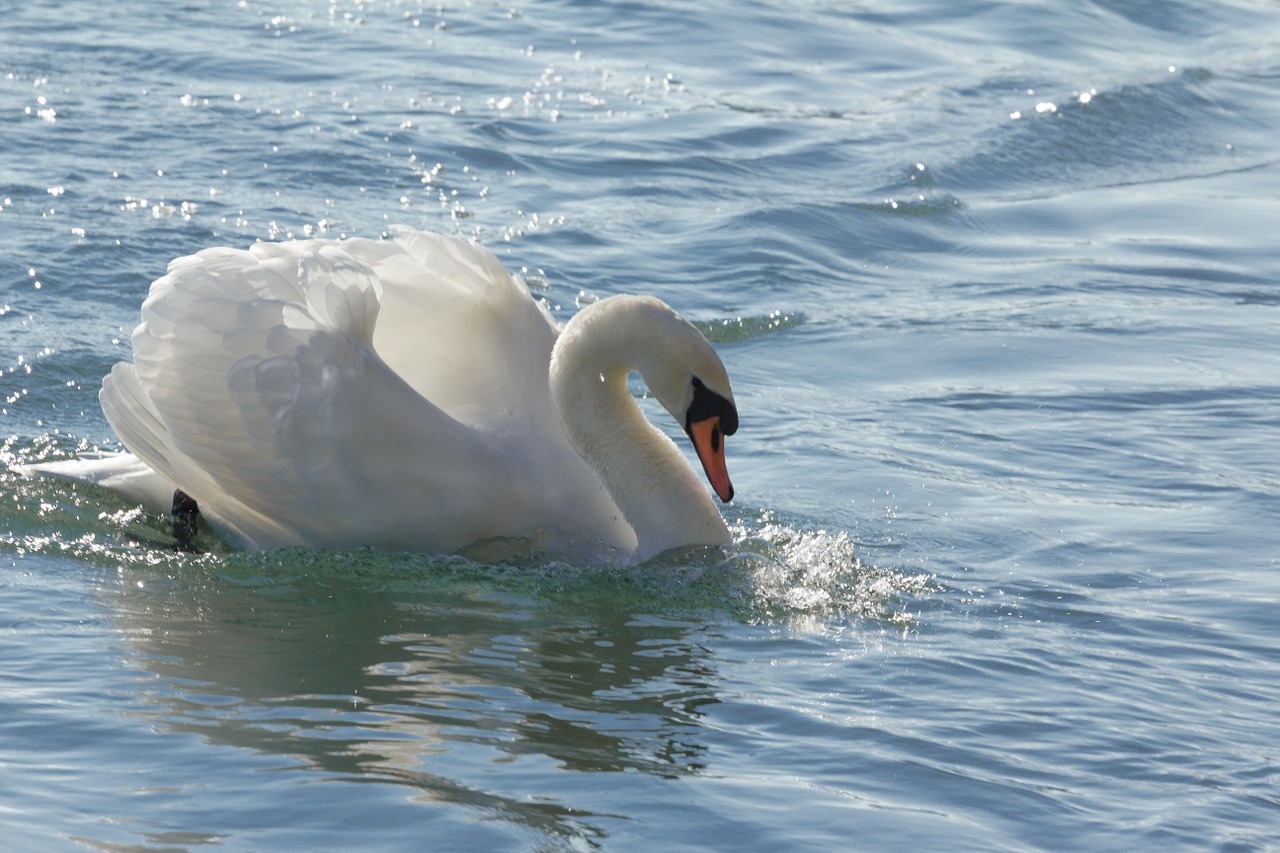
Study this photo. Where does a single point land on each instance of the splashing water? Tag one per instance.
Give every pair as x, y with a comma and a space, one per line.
819, 574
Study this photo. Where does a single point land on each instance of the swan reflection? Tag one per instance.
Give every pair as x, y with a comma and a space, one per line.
437, 677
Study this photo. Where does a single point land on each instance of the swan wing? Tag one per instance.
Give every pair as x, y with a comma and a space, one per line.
258, 388
462, 331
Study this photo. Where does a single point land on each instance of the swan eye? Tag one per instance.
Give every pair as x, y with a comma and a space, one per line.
707, 404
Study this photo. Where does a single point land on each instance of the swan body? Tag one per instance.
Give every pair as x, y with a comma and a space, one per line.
412, 395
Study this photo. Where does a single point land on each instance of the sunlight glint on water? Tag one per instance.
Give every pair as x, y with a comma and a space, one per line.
996, 286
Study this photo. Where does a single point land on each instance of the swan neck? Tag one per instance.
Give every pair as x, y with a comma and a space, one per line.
644, 472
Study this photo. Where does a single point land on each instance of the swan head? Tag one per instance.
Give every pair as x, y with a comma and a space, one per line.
689, 380
608, 339
708, 419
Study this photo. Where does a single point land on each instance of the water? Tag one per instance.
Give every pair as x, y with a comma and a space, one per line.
996, 284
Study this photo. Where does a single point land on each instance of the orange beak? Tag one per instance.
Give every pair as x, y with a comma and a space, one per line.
708, 441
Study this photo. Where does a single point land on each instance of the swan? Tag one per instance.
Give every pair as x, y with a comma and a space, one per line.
410, 394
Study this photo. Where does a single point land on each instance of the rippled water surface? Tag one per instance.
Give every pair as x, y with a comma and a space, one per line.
997, 287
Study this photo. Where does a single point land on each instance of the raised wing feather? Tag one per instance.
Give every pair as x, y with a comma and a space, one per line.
462, 331
263, 385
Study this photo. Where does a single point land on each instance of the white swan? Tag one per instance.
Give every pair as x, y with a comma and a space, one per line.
410, 395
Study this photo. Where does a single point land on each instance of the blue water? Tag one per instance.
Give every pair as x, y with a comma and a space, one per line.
997, 285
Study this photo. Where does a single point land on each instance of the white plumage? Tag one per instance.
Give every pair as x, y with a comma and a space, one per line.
409, 394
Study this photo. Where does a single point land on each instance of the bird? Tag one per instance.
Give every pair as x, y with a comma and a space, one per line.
411, 394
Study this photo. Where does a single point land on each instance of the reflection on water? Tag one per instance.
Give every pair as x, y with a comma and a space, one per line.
486, 686
419, 674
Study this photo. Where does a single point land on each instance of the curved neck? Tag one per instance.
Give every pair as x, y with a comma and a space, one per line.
645, 473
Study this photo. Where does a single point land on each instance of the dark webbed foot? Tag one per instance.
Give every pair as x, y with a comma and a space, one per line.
185, 514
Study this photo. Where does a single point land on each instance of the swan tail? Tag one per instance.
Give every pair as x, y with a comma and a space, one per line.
122, 473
